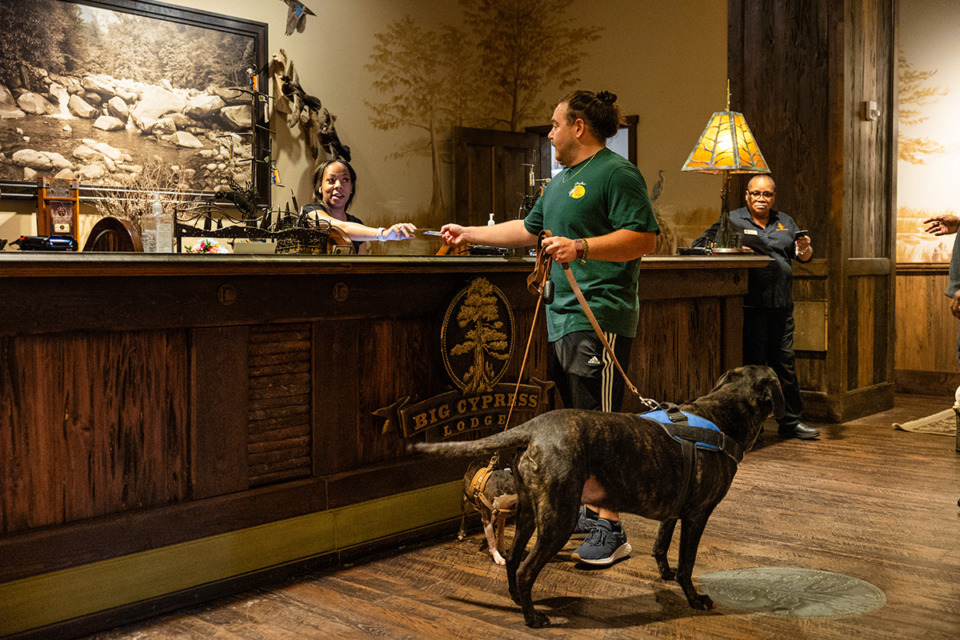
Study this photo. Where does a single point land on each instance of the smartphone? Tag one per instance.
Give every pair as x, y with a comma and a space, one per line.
799, 234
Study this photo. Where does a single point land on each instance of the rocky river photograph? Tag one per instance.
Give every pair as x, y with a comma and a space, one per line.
96, 95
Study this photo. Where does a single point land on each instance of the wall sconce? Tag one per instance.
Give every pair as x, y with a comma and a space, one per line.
870, 111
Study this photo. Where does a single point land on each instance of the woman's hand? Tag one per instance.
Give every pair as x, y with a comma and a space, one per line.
400, 231
803, 248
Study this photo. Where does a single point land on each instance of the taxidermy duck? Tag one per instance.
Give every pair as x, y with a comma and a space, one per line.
296, 16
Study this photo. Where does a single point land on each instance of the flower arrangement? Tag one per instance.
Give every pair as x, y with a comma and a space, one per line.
206, 245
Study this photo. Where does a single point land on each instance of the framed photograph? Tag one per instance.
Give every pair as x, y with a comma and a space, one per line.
114, 92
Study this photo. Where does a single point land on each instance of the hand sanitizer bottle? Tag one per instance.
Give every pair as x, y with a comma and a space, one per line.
491, 221
148, 230
164, 229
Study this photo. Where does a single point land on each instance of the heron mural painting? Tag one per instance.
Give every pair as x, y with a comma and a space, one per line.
96, 94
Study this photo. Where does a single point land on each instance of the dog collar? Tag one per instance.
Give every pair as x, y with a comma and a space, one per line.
681, 426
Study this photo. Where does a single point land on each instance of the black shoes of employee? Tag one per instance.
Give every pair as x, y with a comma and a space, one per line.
800, 430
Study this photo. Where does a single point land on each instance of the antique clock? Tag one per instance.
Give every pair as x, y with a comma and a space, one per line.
58, 207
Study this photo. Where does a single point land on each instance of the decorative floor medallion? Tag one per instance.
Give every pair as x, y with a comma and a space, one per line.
792, 593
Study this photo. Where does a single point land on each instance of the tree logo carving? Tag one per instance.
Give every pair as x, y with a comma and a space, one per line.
477, 337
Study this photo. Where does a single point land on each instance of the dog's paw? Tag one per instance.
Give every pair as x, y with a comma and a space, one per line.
666, 573
700, 602
536, 620
498, 558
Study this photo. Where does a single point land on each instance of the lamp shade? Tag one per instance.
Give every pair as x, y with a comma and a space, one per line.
726, 145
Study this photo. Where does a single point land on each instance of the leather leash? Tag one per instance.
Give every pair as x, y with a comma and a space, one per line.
567, 271
539, 284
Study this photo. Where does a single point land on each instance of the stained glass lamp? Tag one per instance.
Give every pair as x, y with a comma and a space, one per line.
726, 146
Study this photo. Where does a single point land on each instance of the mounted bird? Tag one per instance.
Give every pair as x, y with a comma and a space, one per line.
297, 16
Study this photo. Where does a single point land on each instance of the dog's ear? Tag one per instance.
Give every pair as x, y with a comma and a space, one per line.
774, 394
722, 381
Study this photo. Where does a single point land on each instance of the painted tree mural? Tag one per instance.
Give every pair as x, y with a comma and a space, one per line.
524, 48
416, 70
501, 69
915, 92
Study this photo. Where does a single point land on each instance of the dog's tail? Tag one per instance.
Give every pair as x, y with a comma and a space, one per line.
516, 437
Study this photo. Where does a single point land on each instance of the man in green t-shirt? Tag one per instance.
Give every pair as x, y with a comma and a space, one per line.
602, 223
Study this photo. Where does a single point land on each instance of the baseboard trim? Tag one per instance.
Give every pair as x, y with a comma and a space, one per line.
926, 383
820, 407
91, 597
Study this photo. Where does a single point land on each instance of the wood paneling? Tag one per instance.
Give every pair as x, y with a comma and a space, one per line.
279, 442
779, 55
205, 417
669, 362
867, 332
93, 424
392, 358
218, 437
926, 347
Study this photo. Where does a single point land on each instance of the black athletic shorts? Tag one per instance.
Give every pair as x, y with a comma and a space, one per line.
584, 372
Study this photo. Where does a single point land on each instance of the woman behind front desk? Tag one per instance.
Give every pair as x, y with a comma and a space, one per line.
335, 185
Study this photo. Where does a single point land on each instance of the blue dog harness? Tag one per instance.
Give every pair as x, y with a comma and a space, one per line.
701, 432
692, 432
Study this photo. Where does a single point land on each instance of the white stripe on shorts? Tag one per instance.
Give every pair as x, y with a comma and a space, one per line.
608, 375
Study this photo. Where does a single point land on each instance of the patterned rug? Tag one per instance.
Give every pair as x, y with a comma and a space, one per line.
941, 424
792, 593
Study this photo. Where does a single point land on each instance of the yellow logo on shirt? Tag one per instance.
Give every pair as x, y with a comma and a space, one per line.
780, 227
578, 191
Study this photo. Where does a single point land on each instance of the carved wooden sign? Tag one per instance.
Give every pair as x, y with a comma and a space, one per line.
477, 343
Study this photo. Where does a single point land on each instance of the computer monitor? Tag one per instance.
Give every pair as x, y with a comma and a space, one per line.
619, 143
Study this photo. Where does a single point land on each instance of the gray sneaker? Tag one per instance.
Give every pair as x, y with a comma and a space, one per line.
586, 521
603, 545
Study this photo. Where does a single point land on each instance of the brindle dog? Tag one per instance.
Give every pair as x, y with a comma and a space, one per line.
624, 463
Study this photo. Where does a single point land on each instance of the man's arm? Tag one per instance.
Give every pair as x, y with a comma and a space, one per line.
621, 245
512, 233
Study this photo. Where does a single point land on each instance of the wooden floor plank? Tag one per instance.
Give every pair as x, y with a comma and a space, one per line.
865, 501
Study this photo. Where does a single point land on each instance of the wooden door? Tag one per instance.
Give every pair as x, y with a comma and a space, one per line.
491, 173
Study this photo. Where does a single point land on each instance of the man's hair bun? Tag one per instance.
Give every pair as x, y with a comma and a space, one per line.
606, 97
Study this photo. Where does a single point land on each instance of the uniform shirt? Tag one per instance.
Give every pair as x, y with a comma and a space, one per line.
593, 198
772, 286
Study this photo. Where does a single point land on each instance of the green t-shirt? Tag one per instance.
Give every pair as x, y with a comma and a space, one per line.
596, 197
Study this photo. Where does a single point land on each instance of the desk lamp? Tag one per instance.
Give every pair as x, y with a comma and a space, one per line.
726, 146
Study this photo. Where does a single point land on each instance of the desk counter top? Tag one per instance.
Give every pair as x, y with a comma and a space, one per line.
46, 264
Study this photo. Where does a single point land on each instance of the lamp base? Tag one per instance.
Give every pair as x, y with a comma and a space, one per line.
730, 250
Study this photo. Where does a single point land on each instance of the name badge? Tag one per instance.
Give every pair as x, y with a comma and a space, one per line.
750, 232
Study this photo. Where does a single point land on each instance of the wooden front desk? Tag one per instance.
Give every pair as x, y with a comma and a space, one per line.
174, 428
